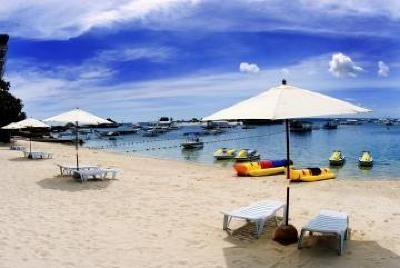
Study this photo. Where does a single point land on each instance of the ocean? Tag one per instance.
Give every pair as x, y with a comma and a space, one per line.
307, 149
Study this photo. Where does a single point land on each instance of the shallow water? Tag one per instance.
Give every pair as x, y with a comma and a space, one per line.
307, 150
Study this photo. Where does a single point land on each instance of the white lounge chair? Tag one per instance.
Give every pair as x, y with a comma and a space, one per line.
37, 155
328, 222
68, 170
95, 173
258, 213
17, 148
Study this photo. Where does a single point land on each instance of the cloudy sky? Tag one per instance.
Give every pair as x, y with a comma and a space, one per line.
137, 60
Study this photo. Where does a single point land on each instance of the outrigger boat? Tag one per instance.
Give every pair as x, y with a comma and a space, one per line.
193, 141
337, 158
247, 155
224, 153
365, 160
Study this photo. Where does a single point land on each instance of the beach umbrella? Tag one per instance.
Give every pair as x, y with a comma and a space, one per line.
77, 117
27, 123
286, 102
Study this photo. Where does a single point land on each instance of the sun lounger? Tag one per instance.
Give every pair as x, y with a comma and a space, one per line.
17, 148
328, 222
37, 155
68, 170
95, 173
258, 213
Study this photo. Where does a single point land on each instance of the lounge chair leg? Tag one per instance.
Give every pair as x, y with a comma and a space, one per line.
340, 245
299, 244
259, 227
226, 222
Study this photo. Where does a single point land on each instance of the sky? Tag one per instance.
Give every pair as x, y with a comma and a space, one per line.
137, 60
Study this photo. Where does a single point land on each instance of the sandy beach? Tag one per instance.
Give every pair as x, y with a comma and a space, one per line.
161, 213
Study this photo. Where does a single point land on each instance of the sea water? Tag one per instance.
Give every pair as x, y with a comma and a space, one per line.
310, 149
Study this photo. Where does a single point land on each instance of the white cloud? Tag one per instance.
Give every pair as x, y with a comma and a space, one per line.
342, 65
47, 91
59, 19
383, 69
155, 54
246, 67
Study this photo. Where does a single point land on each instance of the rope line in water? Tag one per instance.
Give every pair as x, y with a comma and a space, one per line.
126, 144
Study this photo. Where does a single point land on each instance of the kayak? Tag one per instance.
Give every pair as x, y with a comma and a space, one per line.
311, 174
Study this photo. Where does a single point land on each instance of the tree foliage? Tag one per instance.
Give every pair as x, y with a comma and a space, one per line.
10, 108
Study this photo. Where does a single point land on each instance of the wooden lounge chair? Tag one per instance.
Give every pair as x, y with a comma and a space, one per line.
328, 222
95, 173
258, 213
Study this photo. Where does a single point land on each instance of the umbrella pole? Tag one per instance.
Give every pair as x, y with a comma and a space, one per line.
287, 168
76, 146
286, 234
30, 141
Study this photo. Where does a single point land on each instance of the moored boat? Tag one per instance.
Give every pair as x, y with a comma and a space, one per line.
247, 155
300, 126
337, 158
224, 153
193, 141
365, 160
331, 124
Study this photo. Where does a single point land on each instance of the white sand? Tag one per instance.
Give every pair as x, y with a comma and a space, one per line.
167, 214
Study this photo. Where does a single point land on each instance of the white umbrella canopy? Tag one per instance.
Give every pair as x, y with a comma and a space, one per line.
11, 126
77, 116
30, 123
286, 102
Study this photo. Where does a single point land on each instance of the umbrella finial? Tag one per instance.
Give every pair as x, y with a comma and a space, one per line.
284, 82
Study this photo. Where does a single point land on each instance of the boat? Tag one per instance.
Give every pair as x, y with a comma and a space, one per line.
247, 155
248, 127
337, 158
331, 124
365, 160
224, 153
261, 168
151, 132
311, 174
193, 141
300, 126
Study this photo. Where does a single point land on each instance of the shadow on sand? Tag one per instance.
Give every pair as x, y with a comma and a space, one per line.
247, 251
24, 159
66, 183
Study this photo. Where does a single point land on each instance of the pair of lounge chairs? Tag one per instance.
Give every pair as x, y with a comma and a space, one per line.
327, 222
37, 155
17, 148
86, 172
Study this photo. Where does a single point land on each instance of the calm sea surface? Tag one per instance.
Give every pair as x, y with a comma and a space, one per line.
307, 150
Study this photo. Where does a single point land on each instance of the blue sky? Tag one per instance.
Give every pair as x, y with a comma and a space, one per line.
136, 60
